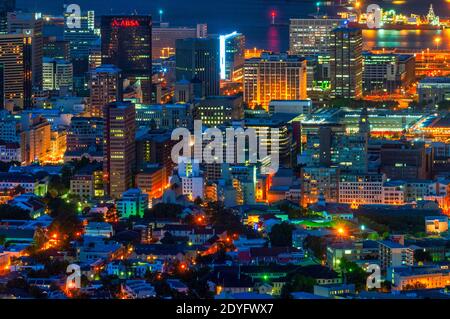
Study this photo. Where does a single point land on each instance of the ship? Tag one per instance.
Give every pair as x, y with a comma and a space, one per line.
396, 26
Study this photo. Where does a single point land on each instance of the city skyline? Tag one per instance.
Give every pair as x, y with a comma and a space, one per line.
261, 151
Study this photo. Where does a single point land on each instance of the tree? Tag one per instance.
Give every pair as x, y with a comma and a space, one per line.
65, 220
224, 219
4, 166
56, 187
168, 239
281, 235
317, 245
198, 201
298, 282
13, 212
421, 255
353, 274
66, 174
444, 106
163, 211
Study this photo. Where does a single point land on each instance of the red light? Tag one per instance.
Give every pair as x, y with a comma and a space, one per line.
126, 23
273, 13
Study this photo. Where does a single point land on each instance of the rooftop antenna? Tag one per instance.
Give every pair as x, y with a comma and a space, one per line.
160, 15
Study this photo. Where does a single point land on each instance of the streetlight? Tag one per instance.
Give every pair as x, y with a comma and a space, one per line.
160, 15
437, 40
357, 6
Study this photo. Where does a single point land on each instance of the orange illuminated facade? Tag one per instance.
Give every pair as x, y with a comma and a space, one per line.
152, 181
274, 77
253, 53
429, 62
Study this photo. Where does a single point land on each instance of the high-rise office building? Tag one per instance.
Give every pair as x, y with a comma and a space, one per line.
5, 7
57, 49
81, 38
57, 74
16, 58
35, 140
232, 47
319, 85
105, 87
155, 147
202, 30
85, 134
33, 24
329, 145
274, 77
120, 147
199, 59
346, 63
406, 160
2, 86
127, 44
387, 72
308, 37
164, 38
218, 110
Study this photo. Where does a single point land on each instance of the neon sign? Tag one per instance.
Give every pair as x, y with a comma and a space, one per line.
125, 23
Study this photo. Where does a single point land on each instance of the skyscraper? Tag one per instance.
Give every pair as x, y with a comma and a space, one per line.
57, 49
120, 147
232, 47
127, 44
85, 134
164, 38
329, 145
387, 72
2, 86
274, 77
81, 38
16, 58
32, 24
199, 59
309, 37
105, 85
35, 140
57, 74
5, 7
346, 63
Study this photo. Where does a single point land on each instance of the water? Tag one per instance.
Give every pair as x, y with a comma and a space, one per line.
252, 18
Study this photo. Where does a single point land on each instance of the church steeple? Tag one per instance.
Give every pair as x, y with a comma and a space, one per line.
432, 18
431, 15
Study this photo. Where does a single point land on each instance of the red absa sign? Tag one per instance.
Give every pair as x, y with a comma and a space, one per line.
125, 23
